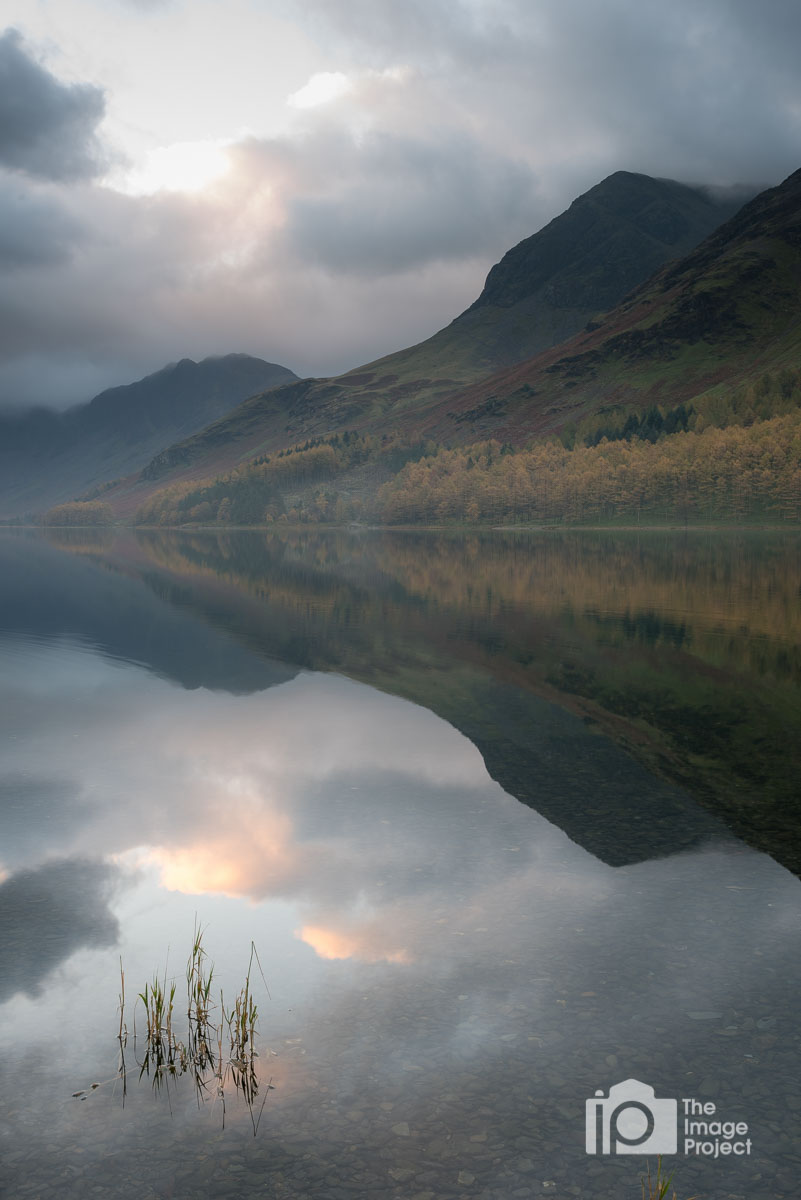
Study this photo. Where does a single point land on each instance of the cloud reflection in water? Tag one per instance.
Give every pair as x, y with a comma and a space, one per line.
49, 913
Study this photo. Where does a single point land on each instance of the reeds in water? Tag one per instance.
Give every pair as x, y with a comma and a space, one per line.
164, 1054
199, 977
201, 1053
242, 1021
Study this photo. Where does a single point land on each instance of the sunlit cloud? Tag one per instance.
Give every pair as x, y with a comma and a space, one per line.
181, 167
322, 88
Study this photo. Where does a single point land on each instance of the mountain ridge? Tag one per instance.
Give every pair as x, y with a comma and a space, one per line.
726, 312
544, 289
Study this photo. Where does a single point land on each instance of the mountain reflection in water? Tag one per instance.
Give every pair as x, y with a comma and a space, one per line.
451, 973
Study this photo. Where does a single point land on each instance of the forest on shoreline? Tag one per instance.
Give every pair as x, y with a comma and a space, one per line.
720, 458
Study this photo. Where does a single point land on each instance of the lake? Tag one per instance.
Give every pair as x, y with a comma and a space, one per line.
511, 819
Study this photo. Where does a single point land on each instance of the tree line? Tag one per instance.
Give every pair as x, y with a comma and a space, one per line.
79, 512
727, 455
735, 472
293, 485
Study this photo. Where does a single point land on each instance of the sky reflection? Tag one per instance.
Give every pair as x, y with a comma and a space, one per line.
374, 822
424, 934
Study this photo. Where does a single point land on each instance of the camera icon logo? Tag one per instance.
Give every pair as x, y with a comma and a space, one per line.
630, 1120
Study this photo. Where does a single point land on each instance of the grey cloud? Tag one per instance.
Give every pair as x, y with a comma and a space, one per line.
678, 91
435, 30
34, 231
154, 282
703, 93
70, 318
393, 203
47, 128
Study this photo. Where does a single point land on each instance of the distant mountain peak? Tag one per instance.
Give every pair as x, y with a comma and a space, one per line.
47, 456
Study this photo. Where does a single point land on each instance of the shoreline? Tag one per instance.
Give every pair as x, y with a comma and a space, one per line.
356, 527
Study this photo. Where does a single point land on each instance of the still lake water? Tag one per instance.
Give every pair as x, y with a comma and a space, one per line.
511, 819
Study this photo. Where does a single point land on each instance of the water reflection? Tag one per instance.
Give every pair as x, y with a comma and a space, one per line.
682, 650
451, 975
47, 596
47, 914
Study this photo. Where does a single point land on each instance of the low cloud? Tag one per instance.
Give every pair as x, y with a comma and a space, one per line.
35, 231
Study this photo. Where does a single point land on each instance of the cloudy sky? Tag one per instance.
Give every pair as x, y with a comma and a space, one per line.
320, 182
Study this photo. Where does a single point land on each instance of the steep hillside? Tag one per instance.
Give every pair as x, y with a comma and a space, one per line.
47, 456
547, 287
725, 314
542, 291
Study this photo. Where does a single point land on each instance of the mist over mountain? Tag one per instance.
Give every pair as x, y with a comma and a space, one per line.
48, 456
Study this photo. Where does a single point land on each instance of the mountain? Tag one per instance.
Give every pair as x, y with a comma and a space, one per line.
726, 314
542, 291
547, 287
46, 456
585, 261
